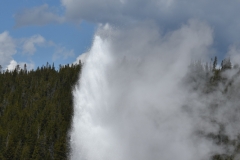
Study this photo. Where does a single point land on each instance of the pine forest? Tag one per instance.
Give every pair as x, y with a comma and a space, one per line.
36, 108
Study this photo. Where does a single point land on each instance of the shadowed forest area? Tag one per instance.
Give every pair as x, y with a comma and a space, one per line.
36, 108
35, 112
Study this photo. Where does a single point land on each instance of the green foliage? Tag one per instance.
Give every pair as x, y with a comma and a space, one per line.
36, 108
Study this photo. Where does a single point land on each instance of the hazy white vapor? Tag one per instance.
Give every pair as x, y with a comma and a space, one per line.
40, 15
128, 101
7, 48
81, 58
234, 54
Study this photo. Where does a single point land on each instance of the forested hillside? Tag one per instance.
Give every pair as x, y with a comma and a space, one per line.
36, 111
218, 90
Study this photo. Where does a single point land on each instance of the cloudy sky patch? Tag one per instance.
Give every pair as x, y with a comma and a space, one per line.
71, 24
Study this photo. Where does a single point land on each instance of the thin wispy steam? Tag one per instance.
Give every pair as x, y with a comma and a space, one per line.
132, 100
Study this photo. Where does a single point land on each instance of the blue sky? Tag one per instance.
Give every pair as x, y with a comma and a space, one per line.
62, 43
40, 31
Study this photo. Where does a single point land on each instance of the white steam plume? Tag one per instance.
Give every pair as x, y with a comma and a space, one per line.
128, 101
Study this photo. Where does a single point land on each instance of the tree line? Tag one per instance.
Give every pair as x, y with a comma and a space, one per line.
36, 108
222, 84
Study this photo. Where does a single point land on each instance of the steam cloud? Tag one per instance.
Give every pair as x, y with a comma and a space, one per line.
133, 100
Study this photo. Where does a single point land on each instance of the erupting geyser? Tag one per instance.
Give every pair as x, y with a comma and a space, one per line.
128, 104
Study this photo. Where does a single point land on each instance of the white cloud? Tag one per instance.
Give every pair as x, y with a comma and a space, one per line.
29, 44
12, 65
222, 15
115, 10
168, 14
7, 48
40, 15
62, 53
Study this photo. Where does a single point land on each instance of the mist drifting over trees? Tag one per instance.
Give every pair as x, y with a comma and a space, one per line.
143, 95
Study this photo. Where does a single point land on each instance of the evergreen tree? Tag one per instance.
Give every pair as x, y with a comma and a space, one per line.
215, 63
36, 111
